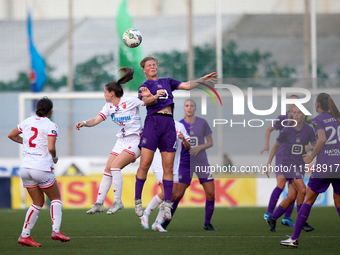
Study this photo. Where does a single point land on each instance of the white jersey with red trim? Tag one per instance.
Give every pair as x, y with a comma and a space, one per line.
157, 159
35, 132
125, 114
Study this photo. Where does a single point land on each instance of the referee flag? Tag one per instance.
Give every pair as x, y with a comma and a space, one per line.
37, 75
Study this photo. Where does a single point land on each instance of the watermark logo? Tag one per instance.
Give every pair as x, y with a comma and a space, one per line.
204, 99
238, 107
238, 100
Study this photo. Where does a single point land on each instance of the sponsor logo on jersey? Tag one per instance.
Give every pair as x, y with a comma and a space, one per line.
123, 118
144, 140
315, 126
54, 132
159, 86
298, 139
124, 105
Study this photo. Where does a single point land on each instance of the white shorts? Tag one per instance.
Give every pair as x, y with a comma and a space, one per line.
32, 178
159, 177
158, 168
128, 144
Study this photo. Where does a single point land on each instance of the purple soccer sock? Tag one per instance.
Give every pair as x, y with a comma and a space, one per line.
273, 199
338, 209
173, 209
167, 190
278, 212
174, 206
289, 211
209, 210
139, 187
301, 220
298, 207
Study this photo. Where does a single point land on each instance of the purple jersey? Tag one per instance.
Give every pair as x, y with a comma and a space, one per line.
295, 141
197, 130
167, 84
278, 126
278, 123
328, 159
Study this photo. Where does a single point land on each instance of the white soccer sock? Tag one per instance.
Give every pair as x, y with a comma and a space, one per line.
104, 187
56, 214
30, 220
117, 183
160, 215
155, 202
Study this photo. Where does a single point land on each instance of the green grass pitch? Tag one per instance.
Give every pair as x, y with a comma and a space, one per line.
239, 231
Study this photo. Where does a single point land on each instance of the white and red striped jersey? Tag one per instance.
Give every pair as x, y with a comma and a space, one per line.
157, 159
125, 114
35, 132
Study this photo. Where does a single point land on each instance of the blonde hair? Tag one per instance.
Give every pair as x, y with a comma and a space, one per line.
147, 58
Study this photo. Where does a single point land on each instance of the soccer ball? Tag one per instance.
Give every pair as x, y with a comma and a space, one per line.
132, 38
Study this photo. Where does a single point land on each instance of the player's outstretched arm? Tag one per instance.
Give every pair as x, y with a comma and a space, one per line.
89, 123
211, 77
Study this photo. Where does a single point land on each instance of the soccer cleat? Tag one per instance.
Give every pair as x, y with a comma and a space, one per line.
115, 207
59, 236
167, 210
138, 207
96, 208
307, 227
209, 227
266, 215
144, 220
288, 222
290, 242
29, 241
272, 224
158, 227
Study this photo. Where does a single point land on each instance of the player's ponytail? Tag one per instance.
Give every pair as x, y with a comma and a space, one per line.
116, 87
43, 107
127, 74
327, 104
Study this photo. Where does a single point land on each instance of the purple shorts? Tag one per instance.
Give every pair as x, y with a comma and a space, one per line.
185, 174
290, 179
319, 185
159, 132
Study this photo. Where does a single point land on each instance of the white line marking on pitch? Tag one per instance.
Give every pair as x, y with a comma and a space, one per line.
197, 236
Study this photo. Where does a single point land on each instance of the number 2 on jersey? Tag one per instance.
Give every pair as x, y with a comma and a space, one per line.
30, 141
331, 139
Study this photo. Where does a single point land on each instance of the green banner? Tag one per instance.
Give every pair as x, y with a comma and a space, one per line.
129, 56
